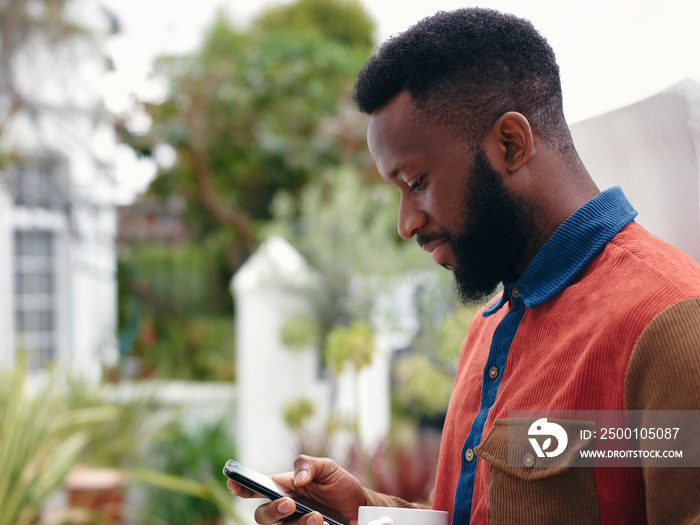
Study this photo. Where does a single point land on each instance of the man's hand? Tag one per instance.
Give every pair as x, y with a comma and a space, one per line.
320, 479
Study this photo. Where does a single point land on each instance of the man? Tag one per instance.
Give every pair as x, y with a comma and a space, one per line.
466, 121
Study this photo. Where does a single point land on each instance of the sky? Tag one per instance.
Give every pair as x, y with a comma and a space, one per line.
612, 53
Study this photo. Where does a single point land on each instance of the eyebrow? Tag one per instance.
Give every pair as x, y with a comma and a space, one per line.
395, 172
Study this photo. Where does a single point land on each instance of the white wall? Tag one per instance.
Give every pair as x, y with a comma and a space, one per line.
73, 128
93, 294
652, 150
7, 340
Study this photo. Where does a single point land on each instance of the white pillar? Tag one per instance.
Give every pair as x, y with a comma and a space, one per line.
267, 293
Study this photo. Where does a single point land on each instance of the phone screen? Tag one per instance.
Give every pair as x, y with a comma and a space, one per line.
265, 486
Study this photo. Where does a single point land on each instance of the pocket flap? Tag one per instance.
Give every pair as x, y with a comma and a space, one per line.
509, 448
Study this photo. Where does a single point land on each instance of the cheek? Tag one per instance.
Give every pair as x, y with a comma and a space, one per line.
448, 207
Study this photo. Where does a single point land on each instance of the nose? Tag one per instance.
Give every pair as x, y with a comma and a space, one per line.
411, 218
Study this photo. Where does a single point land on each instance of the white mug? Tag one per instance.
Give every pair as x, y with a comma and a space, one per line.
400, 516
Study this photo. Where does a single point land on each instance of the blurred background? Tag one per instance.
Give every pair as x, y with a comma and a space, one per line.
198, 260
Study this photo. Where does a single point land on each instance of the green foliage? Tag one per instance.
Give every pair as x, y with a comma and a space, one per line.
297, 411
41, 438
424, 378
177, 280
248, 113
186, 490
346, 230
46, 431
424, 387
346, 227
254, 117
339, 423
451, 333
343, 21
352, 345
165, 295
196, 455
197, 349
300, 332
116, 442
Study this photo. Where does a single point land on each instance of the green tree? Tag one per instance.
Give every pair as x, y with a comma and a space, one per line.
254, 111
342, 21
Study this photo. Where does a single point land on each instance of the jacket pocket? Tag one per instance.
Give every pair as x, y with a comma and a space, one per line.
526, 486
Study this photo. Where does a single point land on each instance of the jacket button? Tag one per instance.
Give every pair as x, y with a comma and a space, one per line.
529, 460
469, 454
514, 292
493, 372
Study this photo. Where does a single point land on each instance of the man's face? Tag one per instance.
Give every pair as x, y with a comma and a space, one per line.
452, 199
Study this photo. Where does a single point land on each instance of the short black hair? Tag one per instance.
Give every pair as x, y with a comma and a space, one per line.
467, 68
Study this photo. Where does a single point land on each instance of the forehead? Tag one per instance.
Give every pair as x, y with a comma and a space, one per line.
391, 126
399, 136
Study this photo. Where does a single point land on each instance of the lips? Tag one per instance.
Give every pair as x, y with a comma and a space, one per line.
439, 249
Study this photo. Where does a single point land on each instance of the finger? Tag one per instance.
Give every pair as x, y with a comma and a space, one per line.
304, 470
313, 519
274, 511
240, 491
284, 480
318, 470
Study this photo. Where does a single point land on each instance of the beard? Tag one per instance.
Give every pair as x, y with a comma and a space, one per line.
494, 233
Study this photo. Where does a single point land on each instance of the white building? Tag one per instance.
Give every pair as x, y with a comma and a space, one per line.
57, 209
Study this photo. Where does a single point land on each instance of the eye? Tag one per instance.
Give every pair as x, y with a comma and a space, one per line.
419, 184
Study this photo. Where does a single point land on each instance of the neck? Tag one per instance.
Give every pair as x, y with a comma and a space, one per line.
563, 186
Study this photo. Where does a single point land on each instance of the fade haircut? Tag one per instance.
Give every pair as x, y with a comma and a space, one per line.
466, 68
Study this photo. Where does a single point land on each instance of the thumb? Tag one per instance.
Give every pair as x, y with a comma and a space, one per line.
304, 470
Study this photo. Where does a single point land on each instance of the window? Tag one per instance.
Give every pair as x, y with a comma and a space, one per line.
35, 295
38, 181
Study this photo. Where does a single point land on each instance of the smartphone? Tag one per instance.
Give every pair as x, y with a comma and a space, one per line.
263, 485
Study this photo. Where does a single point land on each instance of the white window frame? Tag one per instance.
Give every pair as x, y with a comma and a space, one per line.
55, 223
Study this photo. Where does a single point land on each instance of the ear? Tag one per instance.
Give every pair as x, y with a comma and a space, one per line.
511, 136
